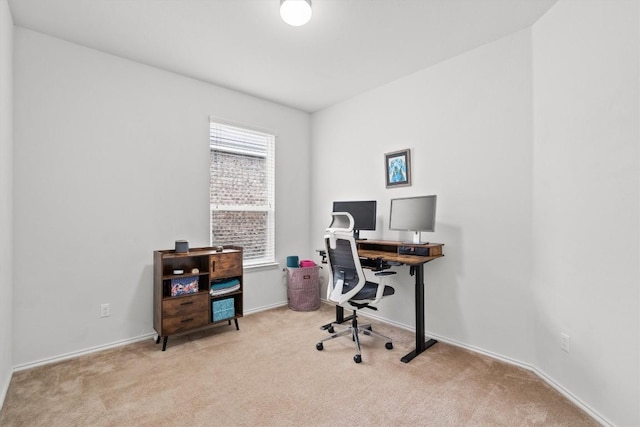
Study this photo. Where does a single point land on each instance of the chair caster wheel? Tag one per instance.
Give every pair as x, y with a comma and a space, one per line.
319, 346
389, 345
357, 358
331, 330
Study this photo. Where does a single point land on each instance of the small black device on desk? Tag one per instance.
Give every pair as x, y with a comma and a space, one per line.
414, 250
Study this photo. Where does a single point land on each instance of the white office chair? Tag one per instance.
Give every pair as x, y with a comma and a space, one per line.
348, 286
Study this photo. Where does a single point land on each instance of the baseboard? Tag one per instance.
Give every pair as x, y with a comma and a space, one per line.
81, 352
95, 349
542, 375
579, 403
265, 308
5, 390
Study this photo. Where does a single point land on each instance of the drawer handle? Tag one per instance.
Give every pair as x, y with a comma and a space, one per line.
187, 320
186, 303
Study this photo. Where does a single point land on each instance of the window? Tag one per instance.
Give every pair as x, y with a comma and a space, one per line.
241, 191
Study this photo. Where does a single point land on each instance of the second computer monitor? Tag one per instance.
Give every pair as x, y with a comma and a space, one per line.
415, 214
362, 211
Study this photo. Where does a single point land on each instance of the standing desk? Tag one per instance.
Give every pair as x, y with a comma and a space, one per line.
388, 251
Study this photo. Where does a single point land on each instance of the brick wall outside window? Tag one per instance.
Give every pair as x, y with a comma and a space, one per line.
237, 179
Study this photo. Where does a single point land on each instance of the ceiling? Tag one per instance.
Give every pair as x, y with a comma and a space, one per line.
348, 47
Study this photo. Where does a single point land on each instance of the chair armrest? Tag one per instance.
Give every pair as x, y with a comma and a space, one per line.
381, 285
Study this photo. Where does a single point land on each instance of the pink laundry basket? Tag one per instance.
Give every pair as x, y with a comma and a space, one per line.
303, 288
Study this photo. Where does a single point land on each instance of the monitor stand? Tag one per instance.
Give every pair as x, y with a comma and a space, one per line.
356, 235
416, 240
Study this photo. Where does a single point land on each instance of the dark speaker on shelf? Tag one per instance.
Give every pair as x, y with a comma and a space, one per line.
182, 246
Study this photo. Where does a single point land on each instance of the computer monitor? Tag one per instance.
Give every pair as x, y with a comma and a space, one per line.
415, 214
363, 213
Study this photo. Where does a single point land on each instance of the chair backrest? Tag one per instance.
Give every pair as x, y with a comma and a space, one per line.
346, 277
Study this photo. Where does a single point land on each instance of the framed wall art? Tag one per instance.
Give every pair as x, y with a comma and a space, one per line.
397, 168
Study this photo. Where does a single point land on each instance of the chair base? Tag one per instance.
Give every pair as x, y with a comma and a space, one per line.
354, 330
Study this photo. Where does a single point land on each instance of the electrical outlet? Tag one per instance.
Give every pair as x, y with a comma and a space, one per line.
565, 340
105, 310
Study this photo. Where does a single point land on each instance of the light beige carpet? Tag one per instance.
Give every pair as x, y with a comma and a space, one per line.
270, 374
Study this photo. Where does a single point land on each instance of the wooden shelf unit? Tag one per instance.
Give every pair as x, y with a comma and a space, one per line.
186, 313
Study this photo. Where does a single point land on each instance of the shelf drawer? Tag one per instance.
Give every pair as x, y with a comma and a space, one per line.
173, 325
225, 265
183, 305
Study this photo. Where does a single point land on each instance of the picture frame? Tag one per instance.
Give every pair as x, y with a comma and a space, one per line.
397, 168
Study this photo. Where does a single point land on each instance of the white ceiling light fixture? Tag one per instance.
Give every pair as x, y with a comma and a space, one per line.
295, 12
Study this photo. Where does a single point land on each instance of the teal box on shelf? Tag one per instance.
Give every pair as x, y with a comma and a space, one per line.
223, 309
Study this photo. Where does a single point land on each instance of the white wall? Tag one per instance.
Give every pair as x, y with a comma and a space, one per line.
111, 163
468, 124
540, 222
586, 211
515, 137
6, 196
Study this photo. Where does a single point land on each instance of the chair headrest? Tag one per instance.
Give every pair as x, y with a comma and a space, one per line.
341, 221
341, 225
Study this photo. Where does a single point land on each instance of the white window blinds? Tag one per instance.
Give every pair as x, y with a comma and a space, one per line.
242, 185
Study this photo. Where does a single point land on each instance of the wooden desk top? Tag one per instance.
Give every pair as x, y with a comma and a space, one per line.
387, 250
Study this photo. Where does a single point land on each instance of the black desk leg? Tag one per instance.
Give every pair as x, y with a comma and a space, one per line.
339, 318
421, 345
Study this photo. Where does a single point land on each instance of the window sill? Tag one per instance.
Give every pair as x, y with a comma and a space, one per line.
260, 267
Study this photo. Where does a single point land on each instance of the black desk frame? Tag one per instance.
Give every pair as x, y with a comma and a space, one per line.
416, 264
421, 344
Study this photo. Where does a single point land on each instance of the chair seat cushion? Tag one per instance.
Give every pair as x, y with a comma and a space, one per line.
369, 292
